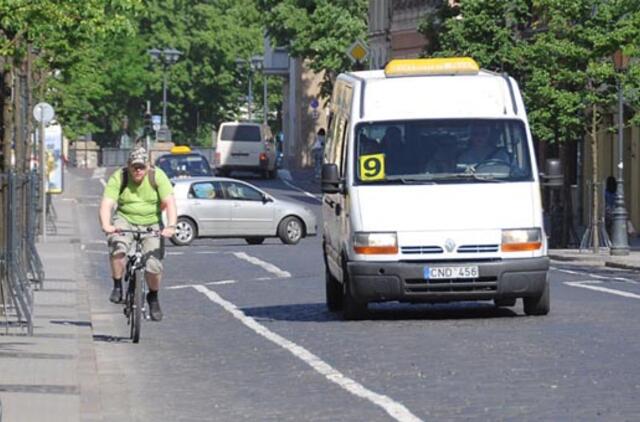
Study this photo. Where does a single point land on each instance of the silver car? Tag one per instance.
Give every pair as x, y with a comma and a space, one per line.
223, 207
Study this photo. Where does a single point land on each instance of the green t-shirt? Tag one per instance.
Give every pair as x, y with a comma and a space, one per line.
139, 204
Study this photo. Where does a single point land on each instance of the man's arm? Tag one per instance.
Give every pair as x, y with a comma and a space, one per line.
106, 206
169, 205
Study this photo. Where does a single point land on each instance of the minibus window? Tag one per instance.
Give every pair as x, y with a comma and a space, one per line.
442, 151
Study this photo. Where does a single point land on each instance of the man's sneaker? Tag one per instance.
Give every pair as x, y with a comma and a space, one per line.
116, 295
154, 308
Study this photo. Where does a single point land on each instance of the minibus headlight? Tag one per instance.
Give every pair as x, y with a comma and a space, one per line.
375, 243
519, 240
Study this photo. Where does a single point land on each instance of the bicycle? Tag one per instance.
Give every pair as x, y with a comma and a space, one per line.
136, 288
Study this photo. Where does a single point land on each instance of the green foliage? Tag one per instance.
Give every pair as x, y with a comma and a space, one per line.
318, 30
559, 51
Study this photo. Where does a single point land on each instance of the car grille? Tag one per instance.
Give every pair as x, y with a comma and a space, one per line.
435, 249
480, 284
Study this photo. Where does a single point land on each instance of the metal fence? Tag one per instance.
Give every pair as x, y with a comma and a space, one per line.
117, 157
21, 269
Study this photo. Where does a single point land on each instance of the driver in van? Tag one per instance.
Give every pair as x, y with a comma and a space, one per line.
482, 147
393, 148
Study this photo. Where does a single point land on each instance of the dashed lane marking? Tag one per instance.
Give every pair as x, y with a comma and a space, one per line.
103, 182
310, 195
590, 285
597, 276
395, 409
99, 173
265, 265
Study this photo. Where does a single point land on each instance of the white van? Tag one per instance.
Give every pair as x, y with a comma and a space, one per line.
431, 192
246, 147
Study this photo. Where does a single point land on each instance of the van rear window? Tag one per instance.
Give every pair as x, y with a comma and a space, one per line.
242, 133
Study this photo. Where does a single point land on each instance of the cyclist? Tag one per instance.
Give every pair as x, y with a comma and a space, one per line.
139, 192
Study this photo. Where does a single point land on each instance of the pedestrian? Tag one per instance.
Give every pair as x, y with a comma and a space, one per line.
316, 152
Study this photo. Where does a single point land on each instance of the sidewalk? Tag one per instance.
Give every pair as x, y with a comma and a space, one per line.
52, 375
586, 256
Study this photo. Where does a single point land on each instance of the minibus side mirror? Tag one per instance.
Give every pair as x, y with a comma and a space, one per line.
330, 180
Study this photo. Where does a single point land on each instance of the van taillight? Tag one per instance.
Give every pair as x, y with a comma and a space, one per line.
263, 156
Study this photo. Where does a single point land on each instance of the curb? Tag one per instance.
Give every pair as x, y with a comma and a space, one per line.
621, 265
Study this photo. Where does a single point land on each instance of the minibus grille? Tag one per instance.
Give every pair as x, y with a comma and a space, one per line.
480, 284
478, 248
419, 250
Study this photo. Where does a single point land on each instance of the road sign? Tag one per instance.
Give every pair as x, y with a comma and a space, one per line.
156, 119
43, 113
314, 103
358, 51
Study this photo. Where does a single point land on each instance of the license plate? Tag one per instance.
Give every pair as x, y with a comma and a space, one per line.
434, 273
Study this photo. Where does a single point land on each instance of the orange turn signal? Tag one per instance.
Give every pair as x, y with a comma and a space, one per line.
521, 247
376, 250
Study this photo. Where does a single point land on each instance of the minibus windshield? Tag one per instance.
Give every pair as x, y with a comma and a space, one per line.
442, 151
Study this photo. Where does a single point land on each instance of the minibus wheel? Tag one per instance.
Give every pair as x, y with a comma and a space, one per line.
333, 291
352, 309
538, 305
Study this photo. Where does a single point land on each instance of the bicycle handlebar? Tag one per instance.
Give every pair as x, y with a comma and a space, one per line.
148, 231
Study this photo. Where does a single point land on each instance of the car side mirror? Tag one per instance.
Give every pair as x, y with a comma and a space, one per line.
330, 180
266, 199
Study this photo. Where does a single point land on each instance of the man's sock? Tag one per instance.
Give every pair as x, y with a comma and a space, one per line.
117, 283
152, 295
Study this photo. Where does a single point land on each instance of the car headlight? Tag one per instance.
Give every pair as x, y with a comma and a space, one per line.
375, 243
519, 240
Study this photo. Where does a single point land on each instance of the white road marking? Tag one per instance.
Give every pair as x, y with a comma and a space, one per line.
175, 253
265, 265
601, 277
221, 282
103, 182
310, 195
395, 409
206, 252
590, 286
184, 286
99, 173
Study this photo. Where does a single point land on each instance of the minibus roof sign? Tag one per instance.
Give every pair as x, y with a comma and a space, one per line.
435, 66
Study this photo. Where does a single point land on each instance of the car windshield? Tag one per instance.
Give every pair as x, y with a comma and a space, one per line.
442, 151
189, 165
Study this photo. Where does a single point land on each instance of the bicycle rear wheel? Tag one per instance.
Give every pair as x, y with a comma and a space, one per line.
138, 303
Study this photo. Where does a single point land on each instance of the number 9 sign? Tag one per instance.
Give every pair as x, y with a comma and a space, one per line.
372, 167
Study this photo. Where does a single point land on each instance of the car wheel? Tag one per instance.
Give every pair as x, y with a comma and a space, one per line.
333, 291
185, 232
538, 305
254, 240
290, 230
505, 303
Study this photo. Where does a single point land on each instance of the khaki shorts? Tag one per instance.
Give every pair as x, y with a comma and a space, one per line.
152, 246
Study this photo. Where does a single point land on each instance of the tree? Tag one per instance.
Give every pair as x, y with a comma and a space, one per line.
318, 30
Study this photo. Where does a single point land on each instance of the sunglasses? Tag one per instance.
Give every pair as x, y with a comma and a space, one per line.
138, 167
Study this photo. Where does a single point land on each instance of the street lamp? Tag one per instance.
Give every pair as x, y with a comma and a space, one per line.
619, 239
255, 63
167, 57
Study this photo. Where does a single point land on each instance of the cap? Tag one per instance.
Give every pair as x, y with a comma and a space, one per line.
138, 156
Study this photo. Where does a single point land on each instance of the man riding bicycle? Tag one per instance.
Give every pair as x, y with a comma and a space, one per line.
140, 193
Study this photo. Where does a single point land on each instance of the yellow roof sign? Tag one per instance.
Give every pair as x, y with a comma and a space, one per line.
358, 52
180, 149
437, 66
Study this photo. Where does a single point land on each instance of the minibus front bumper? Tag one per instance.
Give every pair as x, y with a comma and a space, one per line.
405, 282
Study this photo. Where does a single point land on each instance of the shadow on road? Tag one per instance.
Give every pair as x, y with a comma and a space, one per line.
104, 338
317, 312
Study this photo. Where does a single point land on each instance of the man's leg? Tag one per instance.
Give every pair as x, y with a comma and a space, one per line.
118, 247
153, 249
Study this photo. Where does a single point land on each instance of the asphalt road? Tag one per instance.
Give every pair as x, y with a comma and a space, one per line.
246, 336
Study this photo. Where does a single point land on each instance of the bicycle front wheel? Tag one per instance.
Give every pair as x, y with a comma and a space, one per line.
138, 303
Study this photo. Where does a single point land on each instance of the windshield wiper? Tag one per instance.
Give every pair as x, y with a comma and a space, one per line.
468, 175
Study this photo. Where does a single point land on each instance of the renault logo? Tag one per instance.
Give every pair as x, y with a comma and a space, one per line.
449, 245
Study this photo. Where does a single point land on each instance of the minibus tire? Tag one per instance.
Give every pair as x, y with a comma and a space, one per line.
333, 290
352, 309
538, 305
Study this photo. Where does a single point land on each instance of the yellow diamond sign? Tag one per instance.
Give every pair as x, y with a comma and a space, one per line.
358, 52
